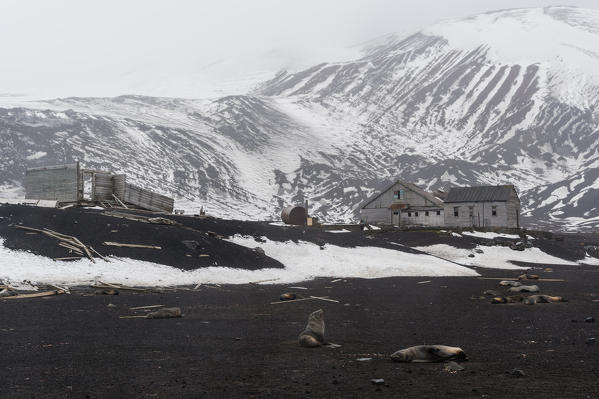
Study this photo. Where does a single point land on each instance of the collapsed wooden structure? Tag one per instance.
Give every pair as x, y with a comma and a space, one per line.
68, 183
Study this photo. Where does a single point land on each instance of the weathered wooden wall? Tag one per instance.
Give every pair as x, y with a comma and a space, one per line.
482, 214
60, 183
102, 186
147, 199
432, 219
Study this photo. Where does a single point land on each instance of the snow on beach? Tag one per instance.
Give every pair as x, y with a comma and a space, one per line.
493, 257
489, 234
303, 261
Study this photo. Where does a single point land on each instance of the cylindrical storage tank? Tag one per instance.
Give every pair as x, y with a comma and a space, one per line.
294, 215
102, 186
118, 186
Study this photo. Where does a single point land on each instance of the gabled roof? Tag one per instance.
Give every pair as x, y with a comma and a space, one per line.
480, 193
411, 186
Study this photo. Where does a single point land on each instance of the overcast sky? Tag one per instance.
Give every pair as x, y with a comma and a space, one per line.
198, 48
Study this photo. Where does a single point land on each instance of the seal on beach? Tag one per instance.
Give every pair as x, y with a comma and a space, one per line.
531, 300
509, 299
313, 334
164, 313
510, 283
525, 288
429, 354
290, 296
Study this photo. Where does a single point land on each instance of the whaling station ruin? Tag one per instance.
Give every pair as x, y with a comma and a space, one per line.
402, 204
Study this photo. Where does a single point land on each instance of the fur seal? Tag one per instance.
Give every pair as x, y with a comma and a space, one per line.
509, 299
429, 354
290, 296
313, 334
525, 288
531, 300
510, 283
164, 313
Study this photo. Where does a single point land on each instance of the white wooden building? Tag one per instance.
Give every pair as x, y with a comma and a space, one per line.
404, 205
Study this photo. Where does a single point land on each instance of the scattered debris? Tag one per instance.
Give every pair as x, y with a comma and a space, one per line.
66, 241
111, 305
331, 345
264, 281
324, 298
118, 244
165, 313
363, 359
146, 307
453, 367
424, 282
35, 295
516, 373
115, 286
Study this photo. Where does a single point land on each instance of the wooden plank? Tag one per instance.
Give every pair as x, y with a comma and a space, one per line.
118, 244
36, 295
298, 300
146, 307
97, 253
119, 201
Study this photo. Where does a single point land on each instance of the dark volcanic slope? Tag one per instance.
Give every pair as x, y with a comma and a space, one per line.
232, 343
93, 228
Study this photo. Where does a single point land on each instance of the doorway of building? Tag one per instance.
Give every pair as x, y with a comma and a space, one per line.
396, 217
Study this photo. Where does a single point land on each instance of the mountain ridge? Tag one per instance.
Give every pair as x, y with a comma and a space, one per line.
415, 107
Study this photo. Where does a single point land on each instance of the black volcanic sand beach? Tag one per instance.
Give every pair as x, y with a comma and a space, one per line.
180, 247
231, 342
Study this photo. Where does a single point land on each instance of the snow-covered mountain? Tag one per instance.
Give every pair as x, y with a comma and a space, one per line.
507, 96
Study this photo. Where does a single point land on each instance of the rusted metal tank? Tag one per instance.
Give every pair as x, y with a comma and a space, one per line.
294, 215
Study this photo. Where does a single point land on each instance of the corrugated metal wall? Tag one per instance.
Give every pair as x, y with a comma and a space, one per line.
59, 183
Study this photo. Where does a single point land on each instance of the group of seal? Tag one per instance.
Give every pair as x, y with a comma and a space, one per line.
313, 336
517, 287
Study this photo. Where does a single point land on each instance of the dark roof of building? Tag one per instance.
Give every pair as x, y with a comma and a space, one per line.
411, 186
480, 194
